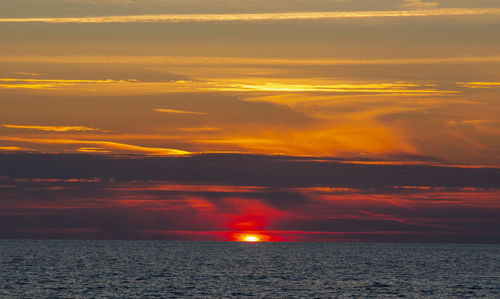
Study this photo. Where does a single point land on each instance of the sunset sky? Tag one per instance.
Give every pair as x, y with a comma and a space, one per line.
297, 120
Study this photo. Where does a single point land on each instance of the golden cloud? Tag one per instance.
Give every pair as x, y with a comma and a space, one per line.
264, 16
53, 128
173, 111
232, 61
107, 144
15, 149
479, 84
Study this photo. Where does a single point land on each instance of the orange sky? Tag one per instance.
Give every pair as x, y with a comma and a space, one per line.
337, 79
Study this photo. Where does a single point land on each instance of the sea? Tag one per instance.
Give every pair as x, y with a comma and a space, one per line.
167, 269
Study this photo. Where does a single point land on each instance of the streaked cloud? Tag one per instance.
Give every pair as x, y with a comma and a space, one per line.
15, 149
173, 111
233, 61
267, 16
479, 84
53, 128
27, 86
224, 85
396, 87
241, 170
26, 74
200, 129
472, 122
107, 144
93, 150
33, 83
344, 139
61, 80
487, 127
419, 4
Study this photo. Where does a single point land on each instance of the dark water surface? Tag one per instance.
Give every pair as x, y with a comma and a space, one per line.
125, 269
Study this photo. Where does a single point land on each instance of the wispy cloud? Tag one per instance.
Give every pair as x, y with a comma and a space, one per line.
202, 129
52, 128
226, 85
484, 126
173, 111
342, 140
60, 80
419, 4
26, 74
194, 60
15, 149
396, 87
31, 83
93, 150
479, 84
107, 144
267, 16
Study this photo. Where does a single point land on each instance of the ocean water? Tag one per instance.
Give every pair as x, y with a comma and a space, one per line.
142, 269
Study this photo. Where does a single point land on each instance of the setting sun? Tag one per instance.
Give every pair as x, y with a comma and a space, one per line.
251, 239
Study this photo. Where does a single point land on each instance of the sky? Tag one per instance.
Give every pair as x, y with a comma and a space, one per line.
297, 120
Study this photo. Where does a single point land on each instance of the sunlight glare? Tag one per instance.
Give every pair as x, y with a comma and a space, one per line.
251, 239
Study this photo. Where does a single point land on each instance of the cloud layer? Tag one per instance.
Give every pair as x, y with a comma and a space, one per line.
220, 197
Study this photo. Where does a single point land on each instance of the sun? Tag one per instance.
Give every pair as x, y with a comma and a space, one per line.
251, 239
